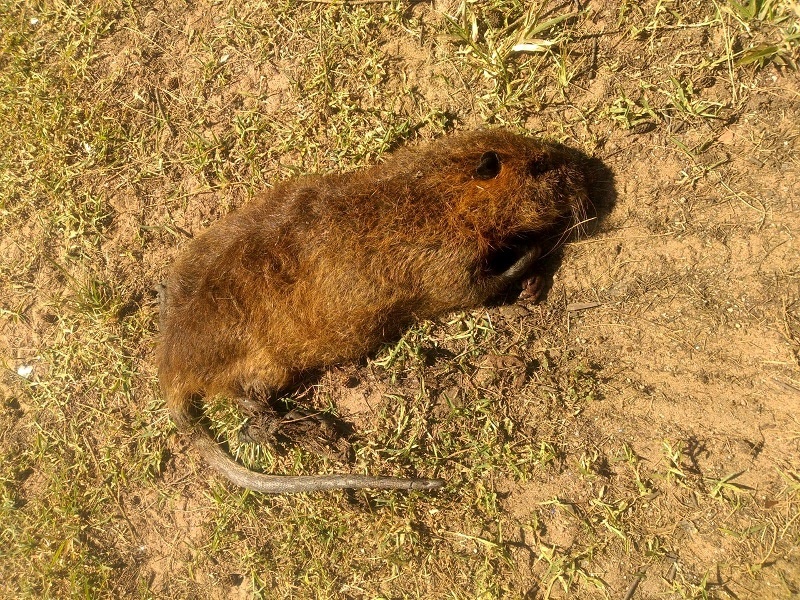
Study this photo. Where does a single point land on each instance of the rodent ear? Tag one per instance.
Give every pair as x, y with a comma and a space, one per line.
489, 166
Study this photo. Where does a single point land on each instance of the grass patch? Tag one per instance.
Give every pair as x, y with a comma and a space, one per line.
642, 447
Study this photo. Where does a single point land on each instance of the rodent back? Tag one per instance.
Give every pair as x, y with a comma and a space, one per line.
323, 260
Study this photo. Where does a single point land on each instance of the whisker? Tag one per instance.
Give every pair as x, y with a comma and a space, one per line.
565, 234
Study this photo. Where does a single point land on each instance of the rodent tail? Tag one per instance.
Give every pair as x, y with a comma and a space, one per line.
221, 461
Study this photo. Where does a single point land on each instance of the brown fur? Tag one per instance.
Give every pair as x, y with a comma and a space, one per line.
322, 269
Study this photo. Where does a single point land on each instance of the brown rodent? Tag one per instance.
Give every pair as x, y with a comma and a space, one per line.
323, 269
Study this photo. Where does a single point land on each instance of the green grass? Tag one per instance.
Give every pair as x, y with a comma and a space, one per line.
126, 127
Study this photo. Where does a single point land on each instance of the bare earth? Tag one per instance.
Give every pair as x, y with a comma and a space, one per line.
641, 423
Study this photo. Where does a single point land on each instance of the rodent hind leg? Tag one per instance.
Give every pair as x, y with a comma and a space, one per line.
254, 405
317, 432
313, 431
258, 386
275, 420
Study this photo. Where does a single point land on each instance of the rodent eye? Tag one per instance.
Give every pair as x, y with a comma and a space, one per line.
489, 166
540, 164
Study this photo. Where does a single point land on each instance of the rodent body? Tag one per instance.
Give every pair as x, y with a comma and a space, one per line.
323, 269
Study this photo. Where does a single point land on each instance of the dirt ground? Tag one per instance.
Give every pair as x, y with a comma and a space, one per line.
634, 434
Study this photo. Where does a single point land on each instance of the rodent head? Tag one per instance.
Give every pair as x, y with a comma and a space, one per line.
515, 185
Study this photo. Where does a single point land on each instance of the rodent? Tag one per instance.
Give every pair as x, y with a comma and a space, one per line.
323, 269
